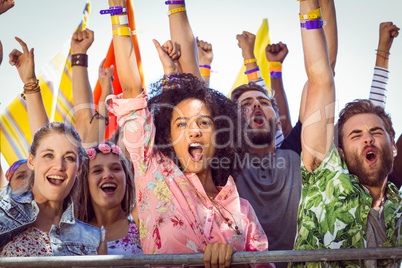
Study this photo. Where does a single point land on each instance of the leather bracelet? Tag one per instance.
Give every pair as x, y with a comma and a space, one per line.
30, 88
79, 60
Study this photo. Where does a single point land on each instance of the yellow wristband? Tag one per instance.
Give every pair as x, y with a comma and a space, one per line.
272, 64
124, 31
312, 15
254, 76
250, 61
180, 9
119, 19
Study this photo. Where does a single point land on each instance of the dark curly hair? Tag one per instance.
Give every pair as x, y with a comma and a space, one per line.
361, 106
228, 119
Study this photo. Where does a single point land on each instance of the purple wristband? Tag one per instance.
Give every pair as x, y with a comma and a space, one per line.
205, 66
275, 74
252, 70
174, 3
312, 24
117, 10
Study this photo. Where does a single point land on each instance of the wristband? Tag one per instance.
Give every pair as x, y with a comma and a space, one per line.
252, 70
313, 24
312, 15
174, 3
250, 61
79, 60
383, 51
180, 9
205, 70
273, 64
274, 74
254, 76
275, 69
117, 10
119, 19
122, 31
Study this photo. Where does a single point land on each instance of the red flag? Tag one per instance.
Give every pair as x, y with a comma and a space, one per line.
110, 60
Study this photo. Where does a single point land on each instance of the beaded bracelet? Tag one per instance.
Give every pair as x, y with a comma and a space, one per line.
383, 51
79, 60
30, 88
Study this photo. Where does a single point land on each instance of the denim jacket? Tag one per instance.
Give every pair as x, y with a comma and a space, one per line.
69, 237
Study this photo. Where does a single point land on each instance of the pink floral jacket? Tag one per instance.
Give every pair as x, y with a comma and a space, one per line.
175, 214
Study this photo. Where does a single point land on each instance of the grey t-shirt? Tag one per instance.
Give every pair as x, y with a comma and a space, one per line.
273, 187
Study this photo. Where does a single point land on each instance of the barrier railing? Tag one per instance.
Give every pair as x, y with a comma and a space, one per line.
185, 260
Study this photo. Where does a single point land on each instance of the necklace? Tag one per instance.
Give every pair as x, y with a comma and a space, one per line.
228, 221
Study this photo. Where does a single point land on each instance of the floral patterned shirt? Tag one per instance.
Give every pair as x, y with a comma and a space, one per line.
334, 208
129, 245
30, 243
175, 214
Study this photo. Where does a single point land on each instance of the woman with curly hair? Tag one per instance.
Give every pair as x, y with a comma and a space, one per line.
184, 154
107, 198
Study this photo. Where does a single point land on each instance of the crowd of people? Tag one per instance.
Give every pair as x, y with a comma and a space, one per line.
190, 170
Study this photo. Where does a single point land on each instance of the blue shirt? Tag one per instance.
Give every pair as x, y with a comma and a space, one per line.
69, 237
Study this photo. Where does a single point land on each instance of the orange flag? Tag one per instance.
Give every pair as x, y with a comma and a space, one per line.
110, 60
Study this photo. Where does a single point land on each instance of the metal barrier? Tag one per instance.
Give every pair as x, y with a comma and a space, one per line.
184, 260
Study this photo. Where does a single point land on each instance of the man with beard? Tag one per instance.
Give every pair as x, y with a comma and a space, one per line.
346, 199
271, 178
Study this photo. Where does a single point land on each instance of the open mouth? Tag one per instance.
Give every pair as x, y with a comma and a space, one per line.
258, 118
109, 188
55, 180
371, 155
196, 151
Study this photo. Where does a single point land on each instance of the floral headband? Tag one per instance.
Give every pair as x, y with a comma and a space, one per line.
104, 148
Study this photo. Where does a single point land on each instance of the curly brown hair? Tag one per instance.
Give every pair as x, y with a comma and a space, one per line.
228, 119
361, 106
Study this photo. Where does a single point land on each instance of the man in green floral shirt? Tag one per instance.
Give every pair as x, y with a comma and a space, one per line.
346, 200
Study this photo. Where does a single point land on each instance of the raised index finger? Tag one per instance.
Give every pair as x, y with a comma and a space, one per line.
23, 45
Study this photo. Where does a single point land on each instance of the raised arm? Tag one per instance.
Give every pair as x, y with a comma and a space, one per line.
276, 54
318, 125
126, 62
100, 119
24, 61
205, 57
181, 33
378, 90
81, 41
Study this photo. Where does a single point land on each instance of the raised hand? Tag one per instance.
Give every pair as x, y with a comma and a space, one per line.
24, 61
205, 54
105, 79
388, 31
169, 54
81, 41
276, 52
246, 43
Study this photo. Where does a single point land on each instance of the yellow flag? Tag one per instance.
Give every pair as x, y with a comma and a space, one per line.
261, 41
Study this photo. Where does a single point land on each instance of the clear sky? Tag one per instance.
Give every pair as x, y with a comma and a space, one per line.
48, 24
